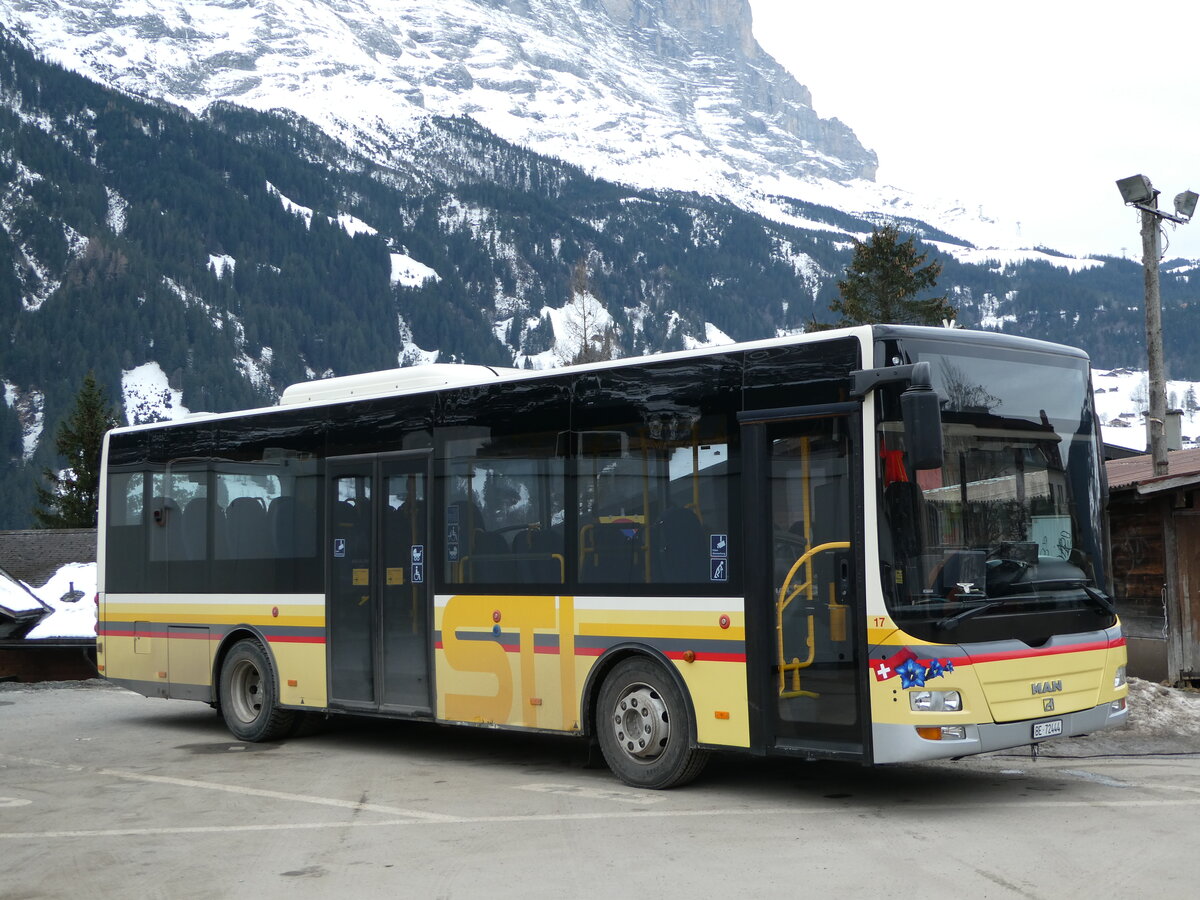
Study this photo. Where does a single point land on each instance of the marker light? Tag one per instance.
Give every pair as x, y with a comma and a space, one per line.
945, 733
1119, 680
935, 701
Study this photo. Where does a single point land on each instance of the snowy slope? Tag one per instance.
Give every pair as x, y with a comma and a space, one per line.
1121, 398
656, 94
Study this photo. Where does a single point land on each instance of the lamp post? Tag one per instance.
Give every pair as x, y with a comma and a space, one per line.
1138, 192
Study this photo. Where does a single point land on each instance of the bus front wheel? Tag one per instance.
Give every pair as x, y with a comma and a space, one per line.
249, 702
644, 728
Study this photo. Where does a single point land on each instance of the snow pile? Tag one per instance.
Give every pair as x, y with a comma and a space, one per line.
1159, 711
71, 594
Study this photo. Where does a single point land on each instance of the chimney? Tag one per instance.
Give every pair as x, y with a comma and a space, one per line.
1173, 429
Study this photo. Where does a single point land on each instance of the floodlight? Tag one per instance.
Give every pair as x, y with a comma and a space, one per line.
1185, 204
1136, 189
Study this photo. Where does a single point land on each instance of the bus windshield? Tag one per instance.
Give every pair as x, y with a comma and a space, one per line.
1008, 529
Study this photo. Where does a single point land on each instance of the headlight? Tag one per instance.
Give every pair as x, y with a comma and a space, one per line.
935, 701
1119, 680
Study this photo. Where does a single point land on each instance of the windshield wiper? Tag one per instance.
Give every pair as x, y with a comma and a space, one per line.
1098, 598
1101, 600
951, 622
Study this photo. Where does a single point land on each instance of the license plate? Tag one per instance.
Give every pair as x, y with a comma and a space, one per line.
1046, 729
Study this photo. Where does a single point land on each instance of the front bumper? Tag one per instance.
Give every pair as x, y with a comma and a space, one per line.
901, 743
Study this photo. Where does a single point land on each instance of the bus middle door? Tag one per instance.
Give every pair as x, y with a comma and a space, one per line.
378, 597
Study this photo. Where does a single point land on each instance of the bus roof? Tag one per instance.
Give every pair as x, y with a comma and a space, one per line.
437, 376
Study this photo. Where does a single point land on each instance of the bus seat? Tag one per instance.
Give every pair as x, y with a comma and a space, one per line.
618, 553
292, 527
680, 547
539, 565
195, 529
246, 528
488, 560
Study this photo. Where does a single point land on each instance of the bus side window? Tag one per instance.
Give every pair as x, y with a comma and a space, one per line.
504, 497
127, 532
653, 503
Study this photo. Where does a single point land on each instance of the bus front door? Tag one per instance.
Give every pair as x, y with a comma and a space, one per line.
378, 599
802, 519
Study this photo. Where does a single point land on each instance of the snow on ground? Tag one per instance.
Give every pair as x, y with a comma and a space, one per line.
1157, 710
118, 206
149, 397
294, 208
999, 259
582, 318
350, 224
30, 409
1121, 396
71, 593
712, 337
410, 353
408, 272
15, 596
222, 264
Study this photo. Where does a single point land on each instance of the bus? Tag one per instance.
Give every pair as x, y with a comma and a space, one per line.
878, 544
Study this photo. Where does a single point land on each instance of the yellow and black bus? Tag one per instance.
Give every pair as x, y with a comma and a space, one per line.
876, 544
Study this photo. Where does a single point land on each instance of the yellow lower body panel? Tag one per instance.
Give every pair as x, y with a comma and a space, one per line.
525, 661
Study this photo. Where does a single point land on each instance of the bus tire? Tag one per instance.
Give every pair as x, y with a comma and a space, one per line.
644, 727
249, 697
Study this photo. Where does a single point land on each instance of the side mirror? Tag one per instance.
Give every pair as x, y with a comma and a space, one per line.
921, 408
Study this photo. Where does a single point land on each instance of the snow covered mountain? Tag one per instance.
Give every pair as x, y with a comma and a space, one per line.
391, 207
660, 94
656, 93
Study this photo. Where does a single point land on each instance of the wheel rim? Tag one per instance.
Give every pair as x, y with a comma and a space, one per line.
641, 723
245, 691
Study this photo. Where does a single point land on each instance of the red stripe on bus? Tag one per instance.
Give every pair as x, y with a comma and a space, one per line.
1047, 651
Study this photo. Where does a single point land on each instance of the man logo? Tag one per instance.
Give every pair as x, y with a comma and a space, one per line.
1046, 687
1048, 704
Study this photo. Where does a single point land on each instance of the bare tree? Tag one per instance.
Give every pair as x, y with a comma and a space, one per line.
590, 333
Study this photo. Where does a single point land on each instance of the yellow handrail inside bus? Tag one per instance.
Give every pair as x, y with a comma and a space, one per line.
782, 602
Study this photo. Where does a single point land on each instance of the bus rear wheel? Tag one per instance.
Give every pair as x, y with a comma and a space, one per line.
249, 702
644, 728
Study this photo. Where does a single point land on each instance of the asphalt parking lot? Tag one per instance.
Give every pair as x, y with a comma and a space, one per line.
105, 793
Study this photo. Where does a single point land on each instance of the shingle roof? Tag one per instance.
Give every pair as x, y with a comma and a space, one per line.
1182, 466
34, 556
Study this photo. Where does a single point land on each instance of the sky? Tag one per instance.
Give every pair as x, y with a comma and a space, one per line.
1023, 109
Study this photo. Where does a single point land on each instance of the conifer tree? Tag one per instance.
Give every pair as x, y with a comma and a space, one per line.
72, 497
882, 282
